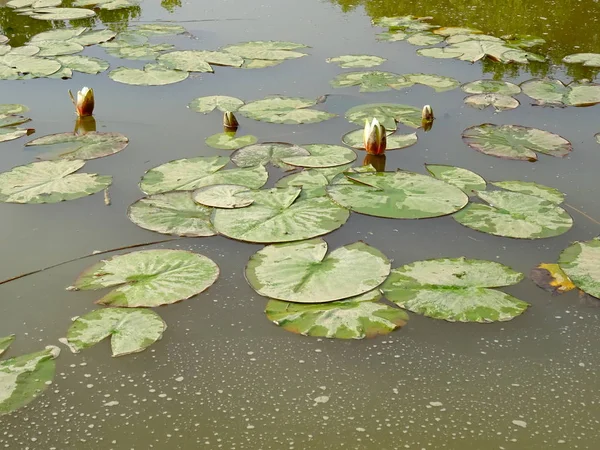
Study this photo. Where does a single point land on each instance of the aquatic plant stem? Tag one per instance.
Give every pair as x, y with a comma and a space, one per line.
582, 213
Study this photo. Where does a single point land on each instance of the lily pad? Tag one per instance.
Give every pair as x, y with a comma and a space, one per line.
321, 155
398, 195
208, 104
303, 272
463, 179
453, 31
476, 49
93, 37
369, 81
581, 263
491, 87
109, 5
193, 173
551, 278
91, 145
129, 330
392, 35
160, 29
58, 34
198, 61
144, 52
530, 188
386, 113
5, 343
393, 141
49, 182
128, 39
57, 48
267, 50
84, 64
424, 38
260, 63
61, 13
12, 108
354, 318
408, 22
288, 110
515, 215
229, 141
437, 82
555, 93
25, 377
280, 215
497, 101
173, 213
524, 40
226, 196
267, 153
455, 290
11, 133
151, 75
309, 178
350, 61
150, 277
587, 59
12, 120
24, 64
515, 142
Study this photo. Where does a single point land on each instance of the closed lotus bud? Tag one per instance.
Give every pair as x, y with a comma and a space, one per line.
426, 125
84, 105
229, 120
427, 114
374, 137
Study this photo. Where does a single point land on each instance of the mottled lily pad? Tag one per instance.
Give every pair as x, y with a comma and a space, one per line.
555, 93
375, 81
198, 61
11, 133
144, 52
581, 263
267, 153
61, 13
12, 120
350, 61
150, 277
91, 145
287, 110
410, 23
12, 108
151, 75
386, 113
393, 141
455, 290
129, 330
208, 104
160, 29
321, 155
229, 141
84, 64
25, 64
57, 48
226, 196
530, 188
93, 37
463, 179
303, 272
491, 87
587, 59
476, 49
497, 101
266, 50
515, 215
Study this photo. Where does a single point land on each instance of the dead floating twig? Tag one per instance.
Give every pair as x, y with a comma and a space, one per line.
582, 213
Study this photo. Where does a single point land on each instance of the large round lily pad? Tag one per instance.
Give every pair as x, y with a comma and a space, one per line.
581, 262
350, 61
12, 133
491, 87
556, 93
455, 290
398, 195
354, 318
198, 61
151, 75
386, 113
49, 182
376, 81
150, 277
288, 110
515, 141
528, 187
497, 101
25, 64
303, 272
12, 108
81, 146
463, 179
587, 59
267, 153
172, 213
83, 64
226, 196
515, 215
208, 104
266, 50
280, 215
322, 155
229, 141
130, 330
61, 13
144, 52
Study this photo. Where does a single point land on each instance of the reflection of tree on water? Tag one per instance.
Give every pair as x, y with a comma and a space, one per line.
170, 5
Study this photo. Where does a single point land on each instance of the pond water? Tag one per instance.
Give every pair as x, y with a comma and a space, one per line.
223, 376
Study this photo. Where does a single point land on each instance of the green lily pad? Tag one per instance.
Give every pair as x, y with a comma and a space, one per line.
91, 145
11, 133
288, 110
497, 101
193, 173
393, 141
581, 263
530, 188
267, 153
309, 178
437, 82
160, 29
491, 87
109, 5
32, 66
453, 31
151, 75
130, 330
392, 36
303, 272
424, 38
369, 81
555, 93
5, 342
260, 63
350, 61
49, 182
63, 74
280, 215
144, 52
84, 64
354, 318
25, 377
515, 215
173, 213
93, 37
226, 196
455, 290
321, 155
128, 39
198, 61
386, 113
57, 48
150, 277
524, 40
515, 142
587, 59
61, 13
476, 49
208, 104
398, 195
463, 179
12, 108
267, 50
409, 22
12, 120
58, 34
229, 141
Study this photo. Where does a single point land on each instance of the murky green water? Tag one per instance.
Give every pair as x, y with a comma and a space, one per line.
223, 376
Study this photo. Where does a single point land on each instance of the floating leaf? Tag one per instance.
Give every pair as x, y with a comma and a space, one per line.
56, 48
268, 50
61, 13
49, 182
555, 93
144, 52
424, 38
455, 290
453, 31
386, 113
581, 263
13, 108
463, 179
371, 81
499, 102
109, 5
437, 82
193, 173
12, 120
94, 37
308, 178
354, 318
172, 213
58, 34
229, 141
393, 141
410, 23
11, 133
84, 64
260, 63
30, 65
515, 141
321, 155
551, 278
25, 377
302, 272
150, 277
226, 196
5, 343
81, 146
587, 59
289, 110
280, 215
515, 215
475, 49
129, 330
528, 187
128, 39
158, 29
491, 87
524, 40
392, 36
349, 61
208, 104
198, 61
398, 195
267, 153
151, 75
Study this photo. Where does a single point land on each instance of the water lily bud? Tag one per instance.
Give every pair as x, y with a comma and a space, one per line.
374, 137
427, 114
229, 120
85, 124
377, 161
84, 105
